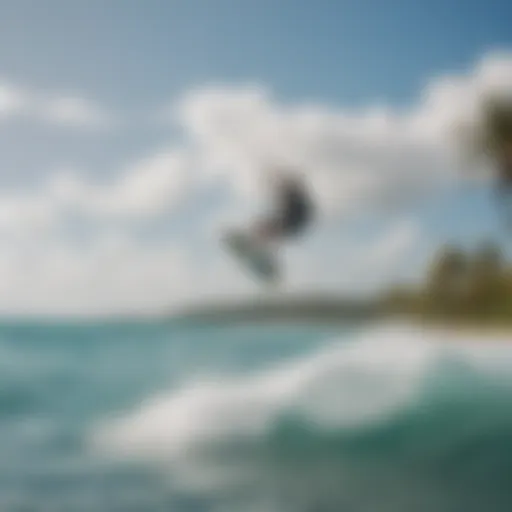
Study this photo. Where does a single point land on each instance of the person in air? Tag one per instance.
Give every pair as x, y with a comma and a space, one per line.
293, 210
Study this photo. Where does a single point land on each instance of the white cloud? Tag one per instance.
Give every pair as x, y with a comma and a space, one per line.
109, 275
449, 100
144, 190
371, 160
74, 111
394, 245
355, 264
64, 110
26, 215
12, 100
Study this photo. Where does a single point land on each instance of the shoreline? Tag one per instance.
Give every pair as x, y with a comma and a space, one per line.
466, 331
496, 333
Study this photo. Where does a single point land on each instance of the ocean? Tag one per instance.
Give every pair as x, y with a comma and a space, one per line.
168, 416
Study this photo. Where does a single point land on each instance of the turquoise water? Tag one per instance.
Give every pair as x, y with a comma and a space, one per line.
163, 416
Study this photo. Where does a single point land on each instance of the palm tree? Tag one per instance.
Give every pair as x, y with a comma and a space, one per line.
488, 139
490, 133
447, 281
488, 288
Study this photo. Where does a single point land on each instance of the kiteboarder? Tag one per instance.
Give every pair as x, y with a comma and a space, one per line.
292, 212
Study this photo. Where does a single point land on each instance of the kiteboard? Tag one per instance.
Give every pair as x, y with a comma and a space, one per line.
256, 259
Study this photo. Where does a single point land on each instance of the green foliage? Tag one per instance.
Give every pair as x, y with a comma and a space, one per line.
474, 286
490, 134
497, 123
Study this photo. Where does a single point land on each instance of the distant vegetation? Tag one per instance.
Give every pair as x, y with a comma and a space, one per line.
473, 287
459, 287
296, 309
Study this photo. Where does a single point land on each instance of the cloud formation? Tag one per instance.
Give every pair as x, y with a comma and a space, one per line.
144, 190
374, 160
74, 111
66, 110
12, 100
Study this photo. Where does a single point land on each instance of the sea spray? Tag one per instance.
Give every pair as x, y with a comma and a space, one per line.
213, 418
394, 419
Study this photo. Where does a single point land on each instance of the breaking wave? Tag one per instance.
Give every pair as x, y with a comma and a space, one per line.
394, 419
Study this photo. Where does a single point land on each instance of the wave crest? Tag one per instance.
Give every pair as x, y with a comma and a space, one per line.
391, 409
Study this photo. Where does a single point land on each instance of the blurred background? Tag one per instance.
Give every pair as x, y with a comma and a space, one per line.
143, 368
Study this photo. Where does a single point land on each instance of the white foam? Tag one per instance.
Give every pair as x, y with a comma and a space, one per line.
345, 385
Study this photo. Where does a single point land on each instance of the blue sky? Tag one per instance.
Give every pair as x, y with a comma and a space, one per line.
135, 59
131, 53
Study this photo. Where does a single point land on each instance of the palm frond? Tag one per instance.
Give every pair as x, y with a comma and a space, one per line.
490, 132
